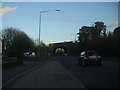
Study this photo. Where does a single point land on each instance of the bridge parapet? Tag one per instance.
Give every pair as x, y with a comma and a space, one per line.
64, 45
61, 43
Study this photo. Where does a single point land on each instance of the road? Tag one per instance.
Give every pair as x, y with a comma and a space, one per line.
55, 74
50, 75
94, 76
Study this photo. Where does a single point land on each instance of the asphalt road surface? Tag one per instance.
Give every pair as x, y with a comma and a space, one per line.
94, 76
91, 76
51, 75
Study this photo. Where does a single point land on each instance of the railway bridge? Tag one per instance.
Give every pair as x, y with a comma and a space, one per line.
60, 48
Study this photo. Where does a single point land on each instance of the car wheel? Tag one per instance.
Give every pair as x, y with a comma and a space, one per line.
83, 63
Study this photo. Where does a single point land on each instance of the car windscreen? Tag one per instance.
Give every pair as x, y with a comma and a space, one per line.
91, 53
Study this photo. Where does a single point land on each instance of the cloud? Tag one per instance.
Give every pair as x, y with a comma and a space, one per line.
6, 10
113, 24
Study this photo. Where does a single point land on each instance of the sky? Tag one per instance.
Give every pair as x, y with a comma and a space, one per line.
57, 26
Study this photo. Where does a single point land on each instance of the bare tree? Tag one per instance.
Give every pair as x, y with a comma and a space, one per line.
15, 41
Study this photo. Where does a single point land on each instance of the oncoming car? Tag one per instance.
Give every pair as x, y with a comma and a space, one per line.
89, 57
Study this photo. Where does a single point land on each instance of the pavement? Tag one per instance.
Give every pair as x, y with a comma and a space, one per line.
51, 75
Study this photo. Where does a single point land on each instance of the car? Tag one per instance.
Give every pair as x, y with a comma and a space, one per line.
33, 55
28, 55
89, 57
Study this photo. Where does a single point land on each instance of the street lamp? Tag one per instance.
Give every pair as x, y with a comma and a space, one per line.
40, 24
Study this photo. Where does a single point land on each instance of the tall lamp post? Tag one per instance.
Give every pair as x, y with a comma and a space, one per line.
40, 27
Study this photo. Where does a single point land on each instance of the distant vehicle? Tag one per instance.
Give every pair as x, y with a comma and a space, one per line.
26, 55
33, 55
29, 56
89, 57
